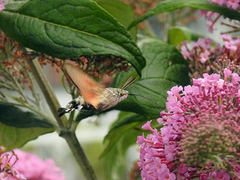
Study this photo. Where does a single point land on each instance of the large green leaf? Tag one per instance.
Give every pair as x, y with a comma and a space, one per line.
13, 137
170, 5
113, 136
116, 160
17, 127
119, 138
121, 11
13, 116
69, 29
165, 68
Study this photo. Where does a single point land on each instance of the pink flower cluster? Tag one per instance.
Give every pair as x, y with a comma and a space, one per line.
204, 55
19, 165
203, 50
7, 161
34, 168
232, 4
1, 6
200, 50
212, 17
231, 45
200, 138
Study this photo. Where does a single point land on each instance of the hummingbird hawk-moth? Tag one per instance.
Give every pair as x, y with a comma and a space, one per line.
92, 95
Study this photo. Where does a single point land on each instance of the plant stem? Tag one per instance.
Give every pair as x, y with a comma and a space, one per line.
47, 92
68, 133
79, 155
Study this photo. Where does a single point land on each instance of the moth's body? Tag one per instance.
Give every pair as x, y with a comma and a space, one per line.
92, 95
109, 98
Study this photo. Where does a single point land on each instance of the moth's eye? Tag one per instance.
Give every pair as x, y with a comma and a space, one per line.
122, 93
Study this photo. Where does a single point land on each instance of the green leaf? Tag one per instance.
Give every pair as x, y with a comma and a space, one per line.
69, 29
125, 122
170, 5
12, 137
121, 11
122, 77
115, 160
17, 127
114, 167
122, 134
119, 139
13, 116
86, 113
165, 68
125, 118
177, 35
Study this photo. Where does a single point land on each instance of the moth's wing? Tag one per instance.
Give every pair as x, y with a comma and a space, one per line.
88, 88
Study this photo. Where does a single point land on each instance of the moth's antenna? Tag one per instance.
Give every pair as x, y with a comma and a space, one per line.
128, 82
146, 98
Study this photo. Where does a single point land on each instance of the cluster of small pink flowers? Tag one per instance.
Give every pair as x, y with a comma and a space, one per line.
232, 4
7, 161
1, 6
200, 138
204, 49
204, 53
153, 161
212, 17
34, 168
201, 55
201, 50
231, 46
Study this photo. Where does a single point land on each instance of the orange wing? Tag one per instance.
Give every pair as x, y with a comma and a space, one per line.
88, 88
